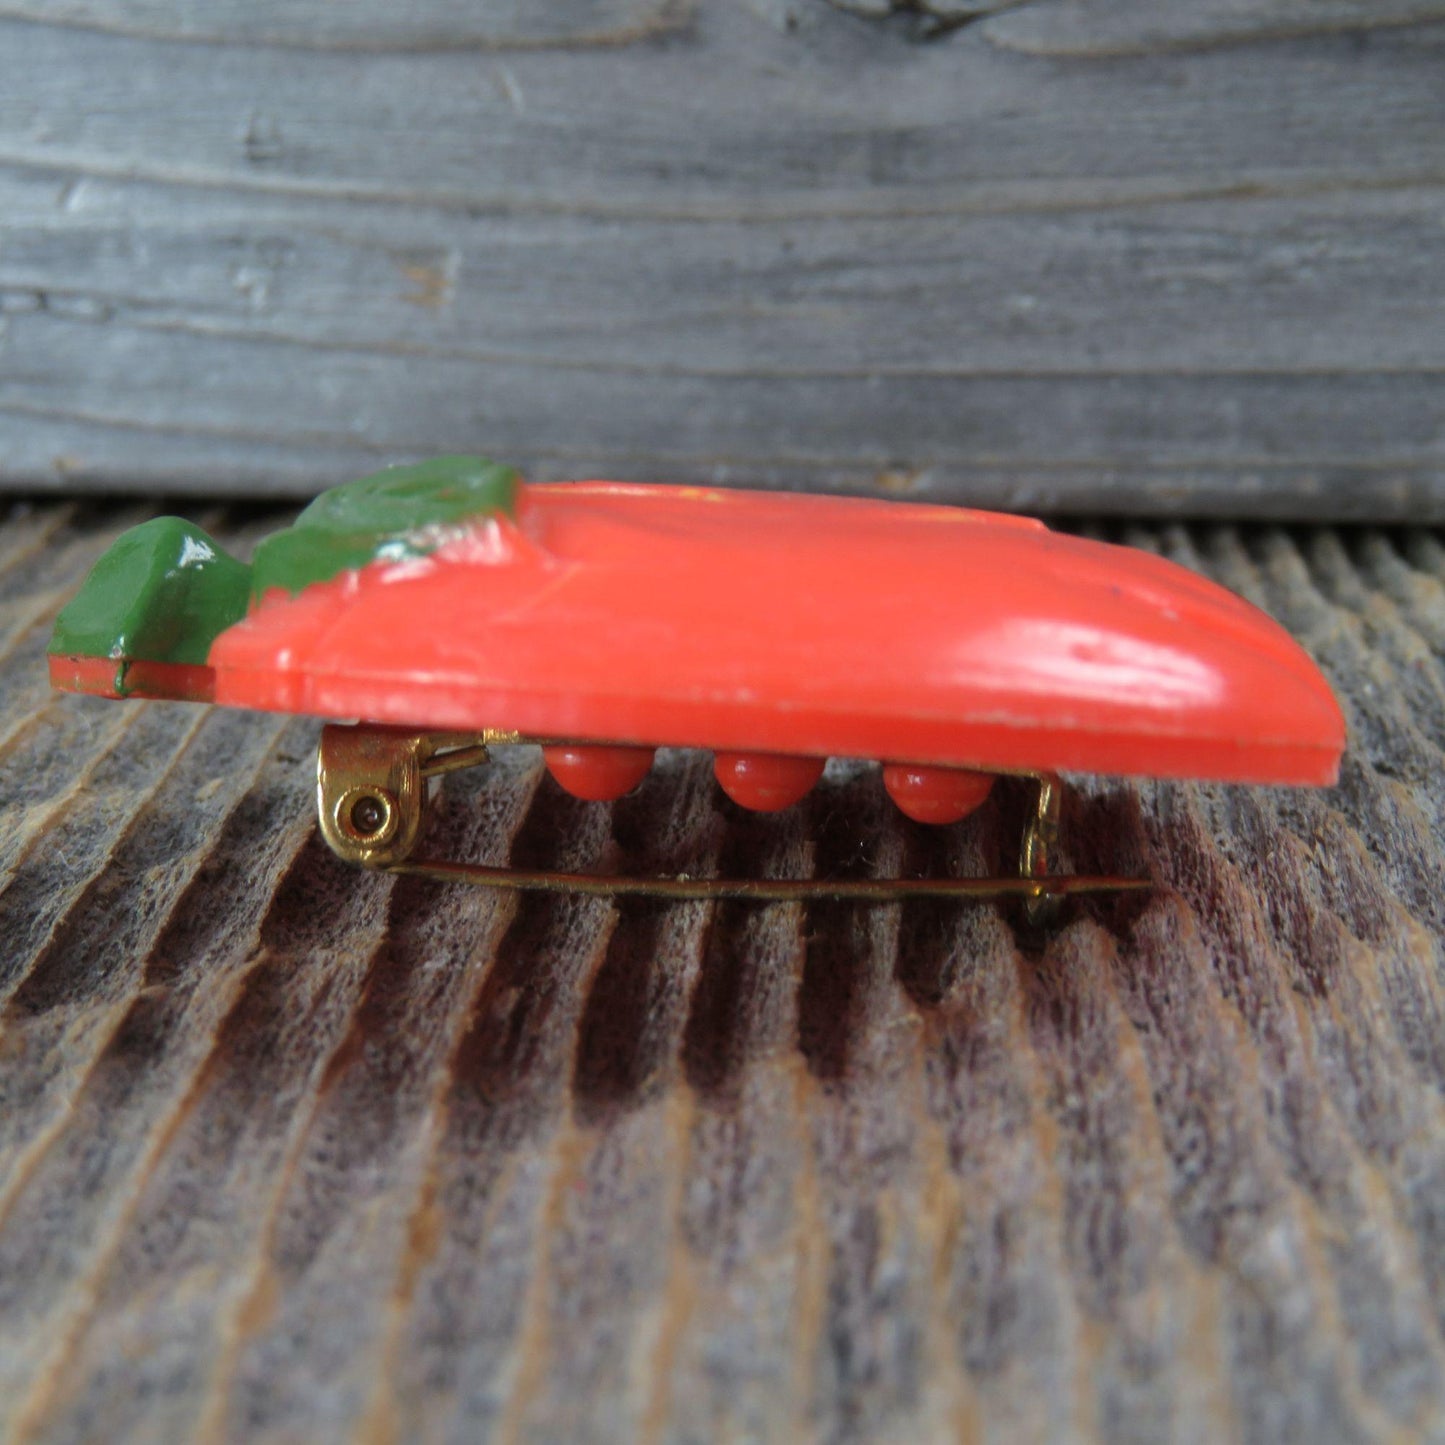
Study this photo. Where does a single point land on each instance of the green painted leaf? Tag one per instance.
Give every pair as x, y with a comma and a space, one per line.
165, 590
162, 592
398, 513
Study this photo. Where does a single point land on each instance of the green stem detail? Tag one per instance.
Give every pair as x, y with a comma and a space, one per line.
165, 590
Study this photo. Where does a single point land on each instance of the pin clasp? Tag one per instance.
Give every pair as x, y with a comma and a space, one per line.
371, 787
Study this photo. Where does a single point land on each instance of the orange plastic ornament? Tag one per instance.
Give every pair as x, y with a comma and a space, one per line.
609, 619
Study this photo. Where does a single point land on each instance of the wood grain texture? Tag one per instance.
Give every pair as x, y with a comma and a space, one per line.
364, 24
1127, 27
292, 1152
1168, 258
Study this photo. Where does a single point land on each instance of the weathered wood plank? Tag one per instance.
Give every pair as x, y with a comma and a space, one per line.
1156, 440
290, 1152
366, 24
1174, 286
765, 243
835, 117
1128, 27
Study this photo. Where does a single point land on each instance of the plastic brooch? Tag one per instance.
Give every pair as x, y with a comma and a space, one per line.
453, 607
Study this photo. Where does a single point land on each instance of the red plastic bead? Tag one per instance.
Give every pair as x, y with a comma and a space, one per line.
766, 782
597, 774
936, 795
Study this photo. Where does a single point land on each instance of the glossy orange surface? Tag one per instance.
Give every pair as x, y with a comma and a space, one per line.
136, 677
597, 774
775, 624
766, 782
936, 795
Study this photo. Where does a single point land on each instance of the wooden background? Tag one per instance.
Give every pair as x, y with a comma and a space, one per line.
289, 1153
293, 1153
1165, 256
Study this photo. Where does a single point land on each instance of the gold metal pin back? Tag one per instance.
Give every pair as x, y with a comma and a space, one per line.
371, 793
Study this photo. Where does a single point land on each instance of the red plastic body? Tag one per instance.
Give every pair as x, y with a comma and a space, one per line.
761, 623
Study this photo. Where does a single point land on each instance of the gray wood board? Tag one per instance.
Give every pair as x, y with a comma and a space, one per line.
290, 1152
1065, 256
